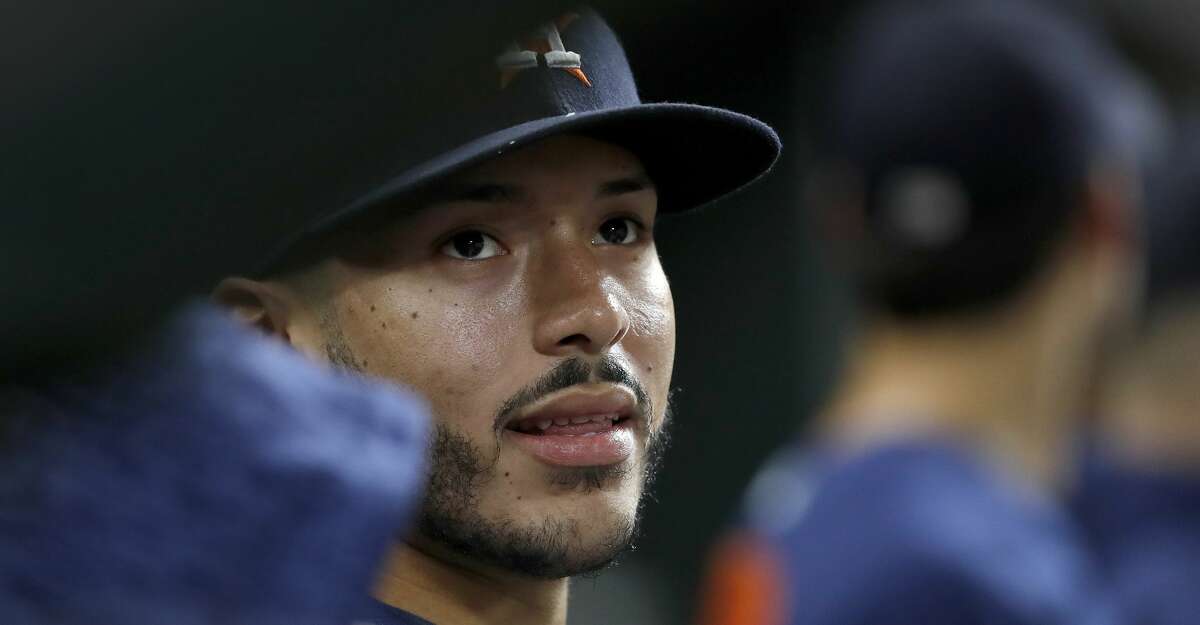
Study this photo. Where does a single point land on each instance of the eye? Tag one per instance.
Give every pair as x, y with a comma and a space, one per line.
472, 245
617, 231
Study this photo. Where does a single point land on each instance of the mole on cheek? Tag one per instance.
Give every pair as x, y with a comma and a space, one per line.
415, 315
383, 324
372, 307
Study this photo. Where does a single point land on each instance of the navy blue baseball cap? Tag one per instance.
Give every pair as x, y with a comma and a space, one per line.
971, 128
569, 75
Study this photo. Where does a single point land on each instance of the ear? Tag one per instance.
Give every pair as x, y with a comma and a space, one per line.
1111, 230
265, 305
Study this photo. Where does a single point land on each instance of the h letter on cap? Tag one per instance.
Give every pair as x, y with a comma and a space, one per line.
547, 43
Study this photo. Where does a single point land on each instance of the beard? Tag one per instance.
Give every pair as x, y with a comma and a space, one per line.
552, 548
460, 471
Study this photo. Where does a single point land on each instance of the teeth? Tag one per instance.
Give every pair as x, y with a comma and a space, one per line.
533, 425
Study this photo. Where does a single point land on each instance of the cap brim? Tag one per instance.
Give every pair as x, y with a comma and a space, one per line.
694, 154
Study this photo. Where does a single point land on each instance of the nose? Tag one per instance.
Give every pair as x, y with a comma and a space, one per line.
579, 306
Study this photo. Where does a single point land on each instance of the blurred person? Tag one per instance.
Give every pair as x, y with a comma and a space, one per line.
1139, 497
204, 476
510, 276
986, 208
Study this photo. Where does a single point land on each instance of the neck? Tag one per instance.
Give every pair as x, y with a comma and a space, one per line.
1150, 403
1004, 386
443, 592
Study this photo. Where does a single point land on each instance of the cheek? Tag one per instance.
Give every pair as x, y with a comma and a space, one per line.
655, 307
651, 338
478, 331
446, 343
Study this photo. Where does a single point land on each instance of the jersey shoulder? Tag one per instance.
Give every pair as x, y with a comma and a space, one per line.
919, 530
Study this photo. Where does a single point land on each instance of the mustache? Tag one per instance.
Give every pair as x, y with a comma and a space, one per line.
572, 372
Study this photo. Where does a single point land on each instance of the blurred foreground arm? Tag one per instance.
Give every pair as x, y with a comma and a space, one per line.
212, 477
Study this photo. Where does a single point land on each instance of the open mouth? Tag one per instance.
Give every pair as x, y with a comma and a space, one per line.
582, 425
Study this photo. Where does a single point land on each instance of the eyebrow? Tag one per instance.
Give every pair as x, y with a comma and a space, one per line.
621, 186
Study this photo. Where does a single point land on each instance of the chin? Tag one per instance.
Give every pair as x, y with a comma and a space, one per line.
551, 537
595, 540
599, 524
528, 518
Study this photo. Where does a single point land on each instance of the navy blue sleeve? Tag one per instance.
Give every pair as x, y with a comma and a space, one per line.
215, 476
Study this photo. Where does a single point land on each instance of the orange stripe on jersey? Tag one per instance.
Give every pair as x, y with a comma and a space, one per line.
745, 584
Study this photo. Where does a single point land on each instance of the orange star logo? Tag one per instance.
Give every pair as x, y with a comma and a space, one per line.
546, 43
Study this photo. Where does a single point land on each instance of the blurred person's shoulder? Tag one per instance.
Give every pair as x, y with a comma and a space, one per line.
913, 531
902, 490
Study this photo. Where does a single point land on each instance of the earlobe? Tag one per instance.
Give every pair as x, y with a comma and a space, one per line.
258, 304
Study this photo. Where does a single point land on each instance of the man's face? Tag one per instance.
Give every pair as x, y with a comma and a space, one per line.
526, 302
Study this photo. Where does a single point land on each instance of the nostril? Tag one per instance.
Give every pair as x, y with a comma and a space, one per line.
574, 339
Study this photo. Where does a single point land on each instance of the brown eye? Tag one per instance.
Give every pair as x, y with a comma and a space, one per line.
616, 231
472, 245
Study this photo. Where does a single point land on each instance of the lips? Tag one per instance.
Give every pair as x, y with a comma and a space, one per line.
579, 427
578, 424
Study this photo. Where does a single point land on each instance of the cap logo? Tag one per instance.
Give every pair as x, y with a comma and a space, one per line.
925, 207
545, 43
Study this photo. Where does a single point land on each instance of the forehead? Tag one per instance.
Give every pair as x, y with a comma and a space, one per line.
555, 173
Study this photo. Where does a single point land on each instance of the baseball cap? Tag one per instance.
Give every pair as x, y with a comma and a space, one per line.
569, 75
971, 127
